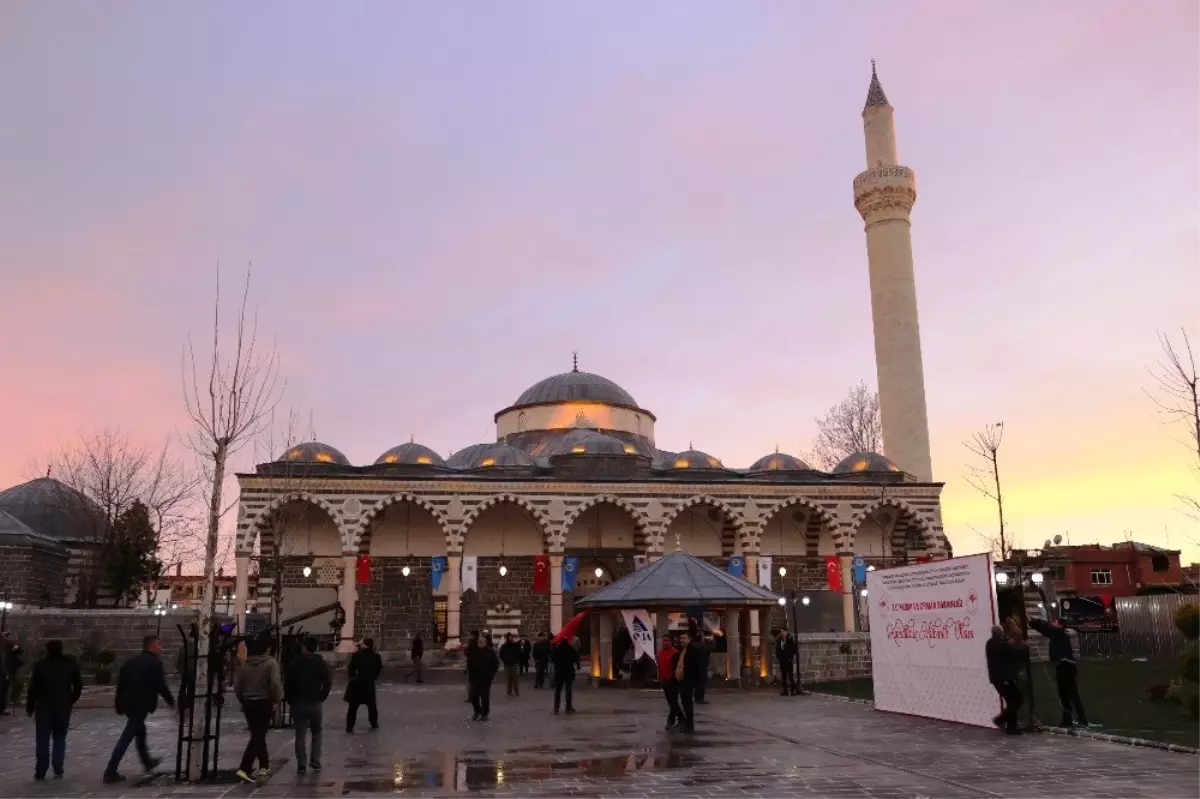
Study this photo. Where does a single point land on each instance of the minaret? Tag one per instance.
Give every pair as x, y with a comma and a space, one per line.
884, 194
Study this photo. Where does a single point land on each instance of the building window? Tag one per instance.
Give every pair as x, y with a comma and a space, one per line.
1060, 574
521, 422
1101, 577
439, 618
1160, 563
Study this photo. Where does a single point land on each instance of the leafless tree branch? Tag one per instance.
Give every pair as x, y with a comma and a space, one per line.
852, 425
1176, 393
985, 478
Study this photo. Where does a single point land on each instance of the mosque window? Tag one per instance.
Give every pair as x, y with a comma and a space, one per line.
488, 462
324, 457
424, 459
521, 422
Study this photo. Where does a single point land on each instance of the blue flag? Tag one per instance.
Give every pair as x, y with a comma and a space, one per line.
859, 565
569, 570
737, 566
439, 566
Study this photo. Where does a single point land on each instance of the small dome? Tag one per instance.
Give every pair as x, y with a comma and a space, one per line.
866, 463
53, 509
410, 454
662, 459
588, 442
693, 459
485, 456
575, 387
313, 452
779, 462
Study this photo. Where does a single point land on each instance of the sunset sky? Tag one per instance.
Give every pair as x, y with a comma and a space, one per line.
442, 201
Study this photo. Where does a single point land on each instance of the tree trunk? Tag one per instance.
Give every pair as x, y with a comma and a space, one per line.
207, 603
999, 504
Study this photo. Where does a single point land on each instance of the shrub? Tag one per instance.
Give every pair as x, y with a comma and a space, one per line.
1158, 691
1187, 619
1190, 662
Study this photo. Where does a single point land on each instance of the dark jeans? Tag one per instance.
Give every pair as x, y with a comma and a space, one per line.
701, 686
3, 693
134, 732
787, 675
560, 685
1011, 696
687, 697
258, 719
306, 716
417, 670
512, 680
372, 713
481, 697
51, 725
539, 675
1067, 676
671, 692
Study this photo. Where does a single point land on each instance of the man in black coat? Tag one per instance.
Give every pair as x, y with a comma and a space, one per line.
363, 670
1003, 661
306, 687
510, 656
1066, 671
785, 654
417, 655
526, 651
482, 665
689, 673
54, 687
141, 681
566, 661
541, 660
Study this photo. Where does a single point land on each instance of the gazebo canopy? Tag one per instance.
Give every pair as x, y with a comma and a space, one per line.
678, 580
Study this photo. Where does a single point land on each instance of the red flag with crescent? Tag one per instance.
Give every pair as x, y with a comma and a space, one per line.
833, 572
541, 574
569, 629
362, 570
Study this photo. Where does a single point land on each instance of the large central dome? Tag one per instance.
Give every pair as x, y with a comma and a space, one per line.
575, 387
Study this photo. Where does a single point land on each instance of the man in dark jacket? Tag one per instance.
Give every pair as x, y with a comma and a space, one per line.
417, 655
1066, 671
703, 646
510, 656
363, 670
785, 655
1003, 658
482, 665
306, 687
566, 661
54, 687
541, 660
141, 681
689, 673
10, 664
526, 651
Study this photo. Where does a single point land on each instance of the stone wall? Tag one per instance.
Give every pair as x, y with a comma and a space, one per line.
33, 571
832, 657
515, 589
393, 608
119, 631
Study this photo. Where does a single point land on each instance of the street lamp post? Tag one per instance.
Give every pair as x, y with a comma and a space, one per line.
159, 612
5, 607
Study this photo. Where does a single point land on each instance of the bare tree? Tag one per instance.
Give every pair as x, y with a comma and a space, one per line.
1178, 399
852, 425
107, 473
985, 478
228, 407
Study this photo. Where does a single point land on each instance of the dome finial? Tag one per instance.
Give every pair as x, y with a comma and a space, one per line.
48, 468
690, 447
776, 449
574, 360
412, 439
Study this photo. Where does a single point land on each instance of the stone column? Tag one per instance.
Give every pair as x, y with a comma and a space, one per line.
453, 580
765, 650
606, 642
662, 627
348, 596
241, 587
748, 648
846, 562
593, 620
733, 646
752, 628
556, 597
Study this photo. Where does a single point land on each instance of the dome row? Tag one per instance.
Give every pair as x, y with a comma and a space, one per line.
577, 442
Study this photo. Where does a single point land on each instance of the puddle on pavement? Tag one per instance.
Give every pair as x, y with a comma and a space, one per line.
479, 773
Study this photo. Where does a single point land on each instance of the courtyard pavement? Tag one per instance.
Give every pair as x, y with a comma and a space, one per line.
746, 744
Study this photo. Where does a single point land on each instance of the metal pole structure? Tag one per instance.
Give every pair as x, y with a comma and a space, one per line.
1023, 617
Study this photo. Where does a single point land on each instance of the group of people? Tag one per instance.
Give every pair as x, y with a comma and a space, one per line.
1006, 651
484, 662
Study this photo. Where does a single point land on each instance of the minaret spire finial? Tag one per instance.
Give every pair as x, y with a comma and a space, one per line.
48, 468
574, 360
875, 95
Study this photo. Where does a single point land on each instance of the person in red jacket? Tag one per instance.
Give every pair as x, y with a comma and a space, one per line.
666, 675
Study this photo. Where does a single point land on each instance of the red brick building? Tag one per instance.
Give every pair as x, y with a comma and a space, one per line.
1124, 569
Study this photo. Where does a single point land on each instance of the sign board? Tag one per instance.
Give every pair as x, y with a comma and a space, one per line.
641, 630
929, 625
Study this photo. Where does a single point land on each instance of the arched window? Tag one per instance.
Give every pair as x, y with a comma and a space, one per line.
521, 422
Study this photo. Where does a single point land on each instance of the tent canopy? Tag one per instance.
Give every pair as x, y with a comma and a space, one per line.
678, 580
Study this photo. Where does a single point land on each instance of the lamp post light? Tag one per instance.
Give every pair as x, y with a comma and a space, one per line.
5, 607
159, 612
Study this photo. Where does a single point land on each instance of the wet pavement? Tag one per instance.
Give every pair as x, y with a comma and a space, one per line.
746, 744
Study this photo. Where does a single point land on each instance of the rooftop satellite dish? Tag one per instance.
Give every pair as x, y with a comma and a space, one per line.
1047, 544
1057, 540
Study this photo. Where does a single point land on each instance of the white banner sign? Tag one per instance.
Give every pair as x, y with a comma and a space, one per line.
929, 625
764, 571
641, 630
470, 573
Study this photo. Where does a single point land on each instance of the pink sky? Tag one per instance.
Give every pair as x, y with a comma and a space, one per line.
441, 202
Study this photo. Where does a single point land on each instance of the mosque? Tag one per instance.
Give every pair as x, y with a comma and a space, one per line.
575, 490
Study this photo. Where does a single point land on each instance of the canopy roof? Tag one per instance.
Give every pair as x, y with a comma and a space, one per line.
678, 580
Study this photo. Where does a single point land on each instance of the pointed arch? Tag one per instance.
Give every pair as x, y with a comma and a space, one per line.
539, 518
357, 534
931, 537
262, 519
641, 524
731, 532
828, 523
731, 515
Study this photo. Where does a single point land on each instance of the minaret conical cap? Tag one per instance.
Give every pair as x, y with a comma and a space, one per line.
875, 95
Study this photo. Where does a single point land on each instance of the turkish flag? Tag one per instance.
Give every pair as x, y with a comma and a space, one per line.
541, 574
568, 631
924, 559
833, 572
362, 570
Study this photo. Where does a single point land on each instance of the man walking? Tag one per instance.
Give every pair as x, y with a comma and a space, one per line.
54, 687
566, 661
526, 651
785, 656
416, 654
541, 660
1066, 671
259, 688
482, 665
666, 675
306, 688
1003, 657
363, 670
141, 681
510, 656
689, 673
